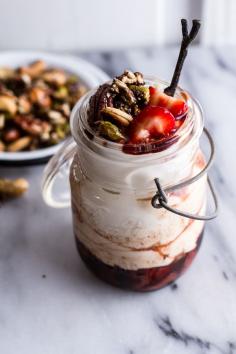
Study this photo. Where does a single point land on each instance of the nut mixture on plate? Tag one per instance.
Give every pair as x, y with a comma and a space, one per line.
35, 105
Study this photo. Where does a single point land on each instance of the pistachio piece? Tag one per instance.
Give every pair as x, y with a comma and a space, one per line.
56, 117
2, 121
111, 131
72, 79
34, 144
76, 92
19, 144
8, 104
26, 79
34, 69
65, 108
40, 97
45, 136
2, 146
41, 84
24, 105
55, 76
6, 73
13, 188
120, 116
61, 92
141, 93
60, 132
54, 138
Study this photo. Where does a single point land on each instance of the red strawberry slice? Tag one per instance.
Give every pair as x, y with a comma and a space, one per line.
176, 106
151, 123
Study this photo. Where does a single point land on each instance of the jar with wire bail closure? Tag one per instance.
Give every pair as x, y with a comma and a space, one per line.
139, 205
127, 233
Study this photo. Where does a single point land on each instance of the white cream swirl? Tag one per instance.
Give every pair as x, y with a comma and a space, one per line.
126, 231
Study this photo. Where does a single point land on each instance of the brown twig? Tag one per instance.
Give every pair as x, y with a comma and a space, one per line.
187, 39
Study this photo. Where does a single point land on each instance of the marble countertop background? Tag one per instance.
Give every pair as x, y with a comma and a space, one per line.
51, 304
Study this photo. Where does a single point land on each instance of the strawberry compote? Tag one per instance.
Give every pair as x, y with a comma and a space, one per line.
141, 279
128, 133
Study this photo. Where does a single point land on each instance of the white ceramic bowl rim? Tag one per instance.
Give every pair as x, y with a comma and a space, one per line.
89, 74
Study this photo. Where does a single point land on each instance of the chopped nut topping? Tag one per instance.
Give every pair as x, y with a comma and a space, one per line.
122, 117
111, 131
141, 93
119, 86
131, 78
120, 101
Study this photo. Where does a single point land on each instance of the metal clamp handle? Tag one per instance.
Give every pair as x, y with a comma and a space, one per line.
161, 197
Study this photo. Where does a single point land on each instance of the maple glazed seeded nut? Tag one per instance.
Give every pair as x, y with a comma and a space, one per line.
118, 102
120, 116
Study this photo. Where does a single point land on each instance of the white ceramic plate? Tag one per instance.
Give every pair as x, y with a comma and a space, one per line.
89, 74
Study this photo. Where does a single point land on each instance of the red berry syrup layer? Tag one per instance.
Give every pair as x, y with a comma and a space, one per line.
142, 279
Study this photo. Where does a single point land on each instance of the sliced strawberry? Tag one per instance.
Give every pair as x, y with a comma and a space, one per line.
176, 106
158, 98
151, 123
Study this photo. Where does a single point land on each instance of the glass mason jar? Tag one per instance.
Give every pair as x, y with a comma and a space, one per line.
122, 234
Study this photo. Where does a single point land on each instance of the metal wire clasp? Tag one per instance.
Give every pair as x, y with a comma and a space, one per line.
160, 199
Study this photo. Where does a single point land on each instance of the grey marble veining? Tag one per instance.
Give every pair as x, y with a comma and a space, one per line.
51, 304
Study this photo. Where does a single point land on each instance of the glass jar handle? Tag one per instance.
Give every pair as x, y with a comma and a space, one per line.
55, 183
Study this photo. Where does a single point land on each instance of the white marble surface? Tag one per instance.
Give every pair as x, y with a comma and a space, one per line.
49, 301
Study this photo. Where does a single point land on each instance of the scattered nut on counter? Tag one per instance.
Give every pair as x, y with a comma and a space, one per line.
35, 105
12, 188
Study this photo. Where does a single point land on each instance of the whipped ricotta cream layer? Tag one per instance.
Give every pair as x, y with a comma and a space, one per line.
125, 230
